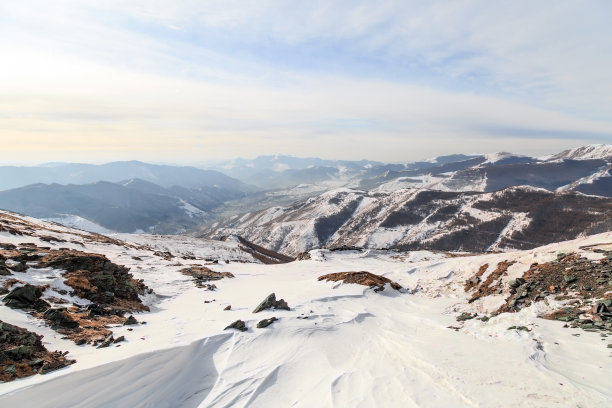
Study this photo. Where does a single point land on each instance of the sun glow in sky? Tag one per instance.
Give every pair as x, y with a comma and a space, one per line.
188, 81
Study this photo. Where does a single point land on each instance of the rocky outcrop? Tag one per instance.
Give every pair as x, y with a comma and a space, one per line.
584, 285
270, 302
26, 297
364, 278
94, 277
22, 354
110, 287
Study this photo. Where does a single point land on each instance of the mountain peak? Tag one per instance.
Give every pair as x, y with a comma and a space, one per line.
593, 151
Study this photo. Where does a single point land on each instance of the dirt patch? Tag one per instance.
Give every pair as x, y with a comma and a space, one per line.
201, 275
491, 285
22, 354
361, 278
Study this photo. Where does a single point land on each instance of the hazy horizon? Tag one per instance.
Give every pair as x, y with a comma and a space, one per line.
204, 164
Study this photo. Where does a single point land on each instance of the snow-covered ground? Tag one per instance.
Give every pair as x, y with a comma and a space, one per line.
341, 345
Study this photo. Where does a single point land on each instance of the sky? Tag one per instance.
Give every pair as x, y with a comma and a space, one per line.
188, 81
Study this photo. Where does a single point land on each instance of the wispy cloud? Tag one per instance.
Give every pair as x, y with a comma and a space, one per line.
189, 80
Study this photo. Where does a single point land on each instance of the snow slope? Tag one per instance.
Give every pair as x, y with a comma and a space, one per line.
341, 345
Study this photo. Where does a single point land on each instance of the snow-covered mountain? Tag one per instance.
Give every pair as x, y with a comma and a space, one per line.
585, 169
422, 328
516, 217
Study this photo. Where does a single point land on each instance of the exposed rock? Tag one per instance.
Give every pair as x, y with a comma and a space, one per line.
26, 297
304, 256
270, 302
202, 274
18, 267
519, 328
22, 354
228, 307
466, 316
266, 322
107, 342
237, 325
58, 317
362, 278
131, 320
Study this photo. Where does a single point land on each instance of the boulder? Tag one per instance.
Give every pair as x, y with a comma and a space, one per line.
270, 302
237, 325
58, 317
266, 322
130, 321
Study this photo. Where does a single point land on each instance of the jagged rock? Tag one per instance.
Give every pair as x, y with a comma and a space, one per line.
237, 325
119, 339
4, 271
228, 307
266, 322
58, 317
107, 342
130, 321
22, 354
270, 302
26, 297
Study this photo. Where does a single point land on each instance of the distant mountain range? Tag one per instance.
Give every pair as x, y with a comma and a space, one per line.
76, 173
135, 196
471, 203
120, 196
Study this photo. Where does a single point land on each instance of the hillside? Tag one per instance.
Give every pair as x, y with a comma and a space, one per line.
434, 328
517, 217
